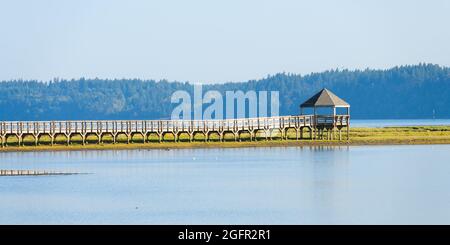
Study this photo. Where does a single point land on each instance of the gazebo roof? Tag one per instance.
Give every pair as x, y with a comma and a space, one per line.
325, 98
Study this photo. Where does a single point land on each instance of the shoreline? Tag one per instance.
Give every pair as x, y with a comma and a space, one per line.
212, 145
408, 135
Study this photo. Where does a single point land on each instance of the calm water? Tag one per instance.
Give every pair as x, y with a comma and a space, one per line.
309, 185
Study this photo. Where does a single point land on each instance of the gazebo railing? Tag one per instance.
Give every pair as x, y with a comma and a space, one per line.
338, 120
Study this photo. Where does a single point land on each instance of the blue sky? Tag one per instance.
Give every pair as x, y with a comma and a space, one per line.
216, 41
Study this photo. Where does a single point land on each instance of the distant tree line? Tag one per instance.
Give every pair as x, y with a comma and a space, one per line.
413, 91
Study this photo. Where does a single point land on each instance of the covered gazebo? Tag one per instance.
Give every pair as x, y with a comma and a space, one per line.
330, 121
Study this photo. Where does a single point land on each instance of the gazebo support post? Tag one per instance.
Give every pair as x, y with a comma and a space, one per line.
348, 131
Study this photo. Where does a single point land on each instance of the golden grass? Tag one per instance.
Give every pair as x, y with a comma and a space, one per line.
401, 135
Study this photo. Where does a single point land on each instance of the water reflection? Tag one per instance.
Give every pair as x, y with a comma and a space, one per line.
291, 185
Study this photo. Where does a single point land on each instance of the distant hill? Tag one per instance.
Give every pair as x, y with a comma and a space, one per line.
413, 91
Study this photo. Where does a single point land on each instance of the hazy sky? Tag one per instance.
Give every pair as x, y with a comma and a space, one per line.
216, 41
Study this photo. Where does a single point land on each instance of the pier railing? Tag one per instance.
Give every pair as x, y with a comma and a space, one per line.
97, 126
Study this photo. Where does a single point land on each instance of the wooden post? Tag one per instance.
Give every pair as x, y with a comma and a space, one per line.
348, 128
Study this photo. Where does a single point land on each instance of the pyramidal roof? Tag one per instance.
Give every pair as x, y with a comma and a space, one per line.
325, 98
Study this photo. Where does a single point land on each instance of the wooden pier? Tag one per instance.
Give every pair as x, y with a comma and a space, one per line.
303, 126
312, 127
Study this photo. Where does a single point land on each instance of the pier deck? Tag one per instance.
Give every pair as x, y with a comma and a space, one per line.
318, 127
